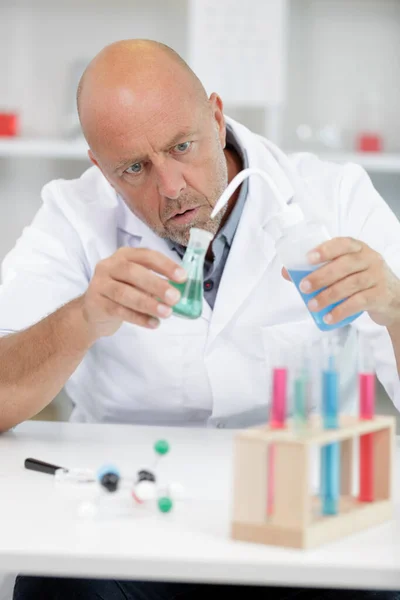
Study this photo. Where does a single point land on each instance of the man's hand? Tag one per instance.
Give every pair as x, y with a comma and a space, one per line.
354, 273
126, 287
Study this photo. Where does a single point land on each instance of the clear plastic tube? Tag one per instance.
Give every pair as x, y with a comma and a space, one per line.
238, 179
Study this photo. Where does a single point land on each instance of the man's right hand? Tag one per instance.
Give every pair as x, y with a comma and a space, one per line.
126, 287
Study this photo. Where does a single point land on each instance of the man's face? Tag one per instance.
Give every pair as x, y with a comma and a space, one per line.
170, 167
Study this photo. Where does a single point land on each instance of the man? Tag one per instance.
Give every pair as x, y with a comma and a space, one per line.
86, 300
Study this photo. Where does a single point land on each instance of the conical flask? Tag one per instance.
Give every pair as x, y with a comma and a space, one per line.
190, 305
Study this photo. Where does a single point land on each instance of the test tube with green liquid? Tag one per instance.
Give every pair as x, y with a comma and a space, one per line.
190, 305
301, 386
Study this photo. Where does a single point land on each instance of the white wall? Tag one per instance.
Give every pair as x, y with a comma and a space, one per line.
21, 181
40, 42
339, 52
49, 37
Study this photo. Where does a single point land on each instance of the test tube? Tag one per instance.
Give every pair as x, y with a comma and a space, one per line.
277, 421
366, 394
330, 453
301, 388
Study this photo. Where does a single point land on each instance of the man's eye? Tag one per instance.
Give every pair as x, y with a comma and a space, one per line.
180, 148
136, 168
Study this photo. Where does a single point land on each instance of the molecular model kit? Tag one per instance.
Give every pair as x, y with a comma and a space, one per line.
274, 498
116, 495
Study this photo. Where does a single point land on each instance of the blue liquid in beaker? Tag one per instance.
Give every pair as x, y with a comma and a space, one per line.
297, 276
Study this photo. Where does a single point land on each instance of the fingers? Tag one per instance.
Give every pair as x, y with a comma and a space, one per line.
141, 278
357, 303
134, 299
114, 309
334, 248
345, 288
156, 261
338, 269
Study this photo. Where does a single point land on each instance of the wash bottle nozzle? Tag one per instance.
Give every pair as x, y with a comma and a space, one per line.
239, 178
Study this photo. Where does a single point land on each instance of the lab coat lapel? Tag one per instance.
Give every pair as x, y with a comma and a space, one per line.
253, 247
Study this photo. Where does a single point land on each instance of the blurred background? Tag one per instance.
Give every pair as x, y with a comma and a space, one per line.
315, 75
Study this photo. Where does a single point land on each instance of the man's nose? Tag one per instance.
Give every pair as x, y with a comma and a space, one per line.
170, 180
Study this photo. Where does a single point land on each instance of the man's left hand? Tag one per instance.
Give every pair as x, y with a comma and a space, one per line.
356, 274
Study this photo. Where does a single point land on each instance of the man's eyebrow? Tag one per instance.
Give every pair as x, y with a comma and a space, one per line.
182, 135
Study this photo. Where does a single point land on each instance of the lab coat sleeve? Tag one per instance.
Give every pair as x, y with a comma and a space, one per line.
364, 215
44, 270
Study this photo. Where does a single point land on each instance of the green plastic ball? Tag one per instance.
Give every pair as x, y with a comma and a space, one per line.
161, 447
164, 504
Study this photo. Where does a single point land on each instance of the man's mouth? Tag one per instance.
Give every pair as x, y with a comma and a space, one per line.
185, 216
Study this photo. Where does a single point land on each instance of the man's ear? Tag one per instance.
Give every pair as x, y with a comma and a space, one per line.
218, 114
92, 158
96, 164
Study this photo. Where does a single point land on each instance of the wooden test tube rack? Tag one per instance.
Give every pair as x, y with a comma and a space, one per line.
296, 520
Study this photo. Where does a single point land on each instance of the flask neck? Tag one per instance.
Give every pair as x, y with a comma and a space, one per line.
193, 262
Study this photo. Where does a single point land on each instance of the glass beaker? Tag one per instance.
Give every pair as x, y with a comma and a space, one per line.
190, 305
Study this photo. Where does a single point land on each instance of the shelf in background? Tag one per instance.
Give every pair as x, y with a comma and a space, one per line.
77, 149
380, 162
43, 148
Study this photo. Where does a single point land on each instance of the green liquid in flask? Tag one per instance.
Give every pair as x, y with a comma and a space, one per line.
191, 302
190, 305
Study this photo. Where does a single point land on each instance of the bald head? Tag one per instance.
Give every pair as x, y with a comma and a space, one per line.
132, 75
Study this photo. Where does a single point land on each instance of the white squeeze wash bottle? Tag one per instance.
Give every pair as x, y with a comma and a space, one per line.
294, 238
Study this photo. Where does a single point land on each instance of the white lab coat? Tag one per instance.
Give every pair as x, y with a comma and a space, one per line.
214, 371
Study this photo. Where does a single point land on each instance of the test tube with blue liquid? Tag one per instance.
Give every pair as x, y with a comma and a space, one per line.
330, 453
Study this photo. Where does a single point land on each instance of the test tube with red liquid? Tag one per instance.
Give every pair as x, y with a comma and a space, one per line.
277, 421
366, 397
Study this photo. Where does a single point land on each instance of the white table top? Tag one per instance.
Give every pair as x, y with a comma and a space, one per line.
42, 533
